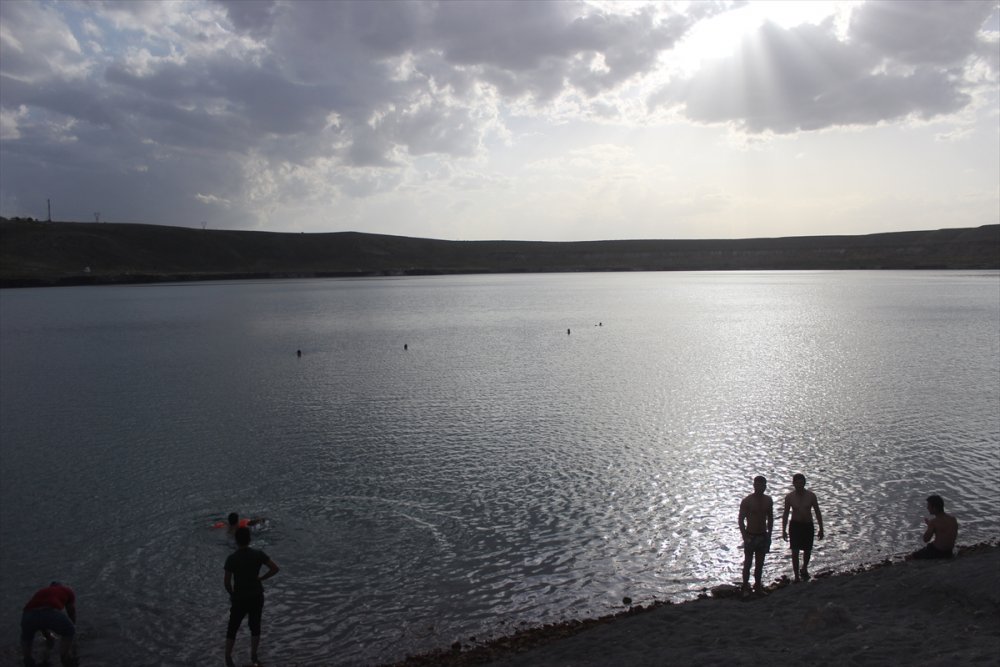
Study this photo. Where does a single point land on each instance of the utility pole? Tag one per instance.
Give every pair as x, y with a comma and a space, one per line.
48, 202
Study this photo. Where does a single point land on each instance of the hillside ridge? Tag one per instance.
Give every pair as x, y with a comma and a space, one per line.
71, 253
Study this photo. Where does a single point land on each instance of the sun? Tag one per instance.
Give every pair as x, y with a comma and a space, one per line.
719, 36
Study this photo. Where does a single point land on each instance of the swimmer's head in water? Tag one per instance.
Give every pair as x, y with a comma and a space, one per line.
243, 536
233, 518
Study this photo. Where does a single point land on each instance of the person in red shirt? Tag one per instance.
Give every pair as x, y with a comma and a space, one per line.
50, 609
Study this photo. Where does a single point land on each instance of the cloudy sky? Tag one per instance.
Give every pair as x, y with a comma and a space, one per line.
504, 120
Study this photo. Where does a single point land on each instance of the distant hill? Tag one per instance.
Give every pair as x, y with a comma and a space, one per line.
72, 253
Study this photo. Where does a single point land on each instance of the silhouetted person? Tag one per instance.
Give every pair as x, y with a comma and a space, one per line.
801, 504
246, 594
50, 609
756, 523
942, 528
298, 353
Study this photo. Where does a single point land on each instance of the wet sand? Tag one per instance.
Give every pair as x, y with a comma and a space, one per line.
894, 613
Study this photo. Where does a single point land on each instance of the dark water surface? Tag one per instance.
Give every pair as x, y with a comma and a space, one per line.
500, 471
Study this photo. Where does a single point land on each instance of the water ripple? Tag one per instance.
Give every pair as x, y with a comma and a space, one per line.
499, 472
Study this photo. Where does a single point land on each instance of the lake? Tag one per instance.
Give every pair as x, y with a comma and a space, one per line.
459, 456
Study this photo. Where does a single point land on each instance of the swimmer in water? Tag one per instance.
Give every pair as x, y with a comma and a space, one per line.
233, 521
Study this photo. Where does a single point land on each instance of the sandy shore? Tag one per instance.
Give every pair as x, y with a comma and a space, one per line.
904, 613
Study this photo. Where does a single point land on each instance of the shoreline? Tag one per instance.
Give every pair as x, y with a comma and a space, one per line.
188, 278
891, 612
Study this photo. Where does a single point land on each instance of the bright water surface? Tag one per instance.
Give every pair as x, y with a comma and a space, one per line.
499, 472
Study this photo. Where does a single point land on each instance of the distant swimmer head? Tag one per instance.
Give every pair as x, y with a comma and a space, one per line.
233, 518
243, 536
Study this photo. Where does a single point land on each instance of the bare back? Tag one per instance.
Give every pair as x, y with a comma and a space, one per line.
944, 527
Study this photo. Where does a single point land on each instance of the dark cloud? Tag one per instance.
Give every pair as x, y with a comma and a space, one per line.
429, 129
369, 148
314, 59
351, 51
930, 32
545, 48
253, 17
223, 100
900, 59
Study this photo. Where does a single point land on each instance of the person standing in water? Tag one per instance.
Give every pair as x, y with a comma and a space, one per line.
756, 523
801, 504
246, 594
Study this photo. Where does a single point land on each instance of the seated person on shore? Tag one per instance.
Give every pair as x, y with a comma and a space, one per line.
233, 521
942, 528
50, 609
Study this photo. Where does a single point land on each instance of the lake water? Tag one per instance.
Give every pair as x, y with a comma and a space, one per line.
500, 472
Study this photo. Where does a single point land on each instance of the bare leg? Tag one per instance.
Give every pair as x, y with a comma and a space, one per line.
795, 563
758, 569
806, 553
254, 644
747, 558
229, 652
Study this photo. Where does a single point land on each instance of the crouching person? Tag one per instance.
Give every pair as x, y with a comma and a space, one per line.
50, 610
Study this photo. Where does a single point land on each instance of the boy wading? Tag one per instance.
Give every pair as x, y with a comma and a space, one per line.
246, 594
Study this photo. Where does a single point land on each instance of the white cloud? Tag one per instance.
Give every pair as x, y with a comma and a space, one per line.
212, 200
8, 122
37, 44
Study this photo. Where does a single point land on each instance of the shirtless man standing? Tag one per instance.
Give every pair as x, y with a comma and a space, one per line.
942, 528
756, 523
800, 503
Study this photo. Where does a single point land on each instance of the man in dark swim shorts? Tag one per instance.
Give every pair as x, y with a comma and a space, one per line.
246, 593
801, 535
801, 504
756, 520
50, 609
